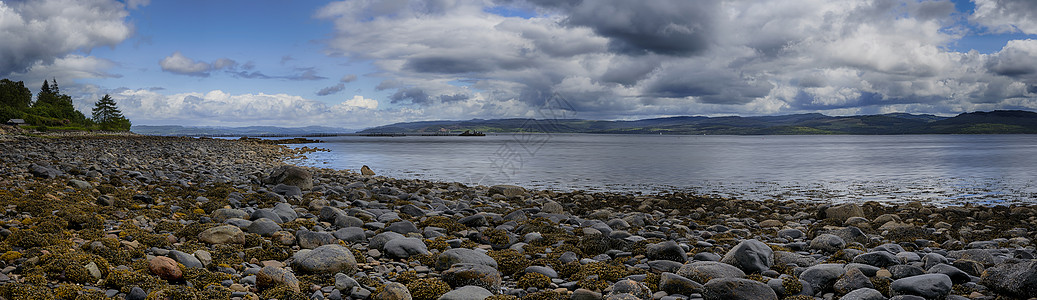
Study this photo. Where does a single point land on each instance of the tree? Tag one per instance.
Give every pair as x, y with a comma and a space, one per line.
108, 116
54, 109
14, 99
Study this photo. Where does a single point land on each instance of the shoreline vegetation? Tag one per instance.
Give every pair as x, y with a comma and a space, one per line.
146, 217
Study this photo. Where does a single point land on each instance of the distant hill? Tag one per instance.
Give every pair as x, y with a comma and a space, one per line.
175, 130
995, 122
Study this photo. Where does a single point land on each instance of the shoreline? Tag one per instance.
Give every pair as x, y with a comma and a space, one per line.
181, 217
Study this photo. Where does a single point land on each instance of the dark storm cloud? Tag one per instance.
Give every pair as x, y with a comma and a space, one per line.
672, 27
444, 65
412, 95
453, 98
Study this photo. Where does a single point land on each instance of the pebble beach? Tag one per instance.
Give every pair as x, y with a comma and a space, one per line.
142, 217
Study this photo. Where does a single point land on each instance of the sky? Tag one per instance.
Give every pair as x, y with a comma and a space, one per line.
358, 64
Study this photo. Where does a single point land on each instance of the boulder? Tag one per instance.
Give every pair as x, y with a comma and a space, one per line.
930, 286
844, 211
863, 294
463, 274
507, 190
676, 284
405, 247
704, 271
827, 242
403, 227
737, 288
821, 277
165, 268
877, 258
366, 171
351, 234
392, 291
225, 234
186, 259
668, 250
1018, 279
290, 175
263, 227
468, 292
327, 259
957, 276
270, 276
378, 241
751, 256
851, 280
309, 239
461, 255
633, 288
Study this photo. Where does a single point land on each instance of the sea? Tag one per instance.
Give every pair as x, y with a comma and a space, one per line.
935, 169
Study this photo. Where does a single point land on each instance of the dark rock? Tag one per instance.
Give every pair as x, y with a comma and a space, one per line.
348, 221
290, 175
668, 250
137, 293
751, 256
851, 280
403, 227
930, 286
186, 259
378, 241
877, 258
737, 288
1017, 279
477, 220
676, 284
790, 233
903, 271
704, 271
546, 271
707, 256
664, 266
821, 277
631, 287
957, 276
263, 227
287, 190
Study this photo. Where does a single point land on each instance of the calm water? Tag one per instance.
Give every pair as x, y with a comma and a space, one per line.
948, 169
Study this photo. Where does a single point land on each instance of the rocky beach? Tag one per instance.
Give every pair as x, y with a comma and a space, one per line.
139, 217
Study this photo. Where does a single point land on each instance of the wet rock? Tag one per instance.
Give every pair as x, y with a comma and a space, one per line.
271, 276
351, 234
704, 271
223, 214
507, 190
790, 233
165, 268
468, 292
403, 227
902, 271
1017, 279
751, 256
630, 287
379, 240
546, 271
552, 207
366, 171
736, 289
585, 294
226, 234
345, 283
463, 274
290, 175
930, 286
957, 276
462, 255
326, 259
186, 259
664, 266
792, 258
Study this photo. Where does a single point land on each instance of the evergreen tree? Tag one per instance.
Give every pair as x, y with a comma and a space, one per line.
108, 116
14, 99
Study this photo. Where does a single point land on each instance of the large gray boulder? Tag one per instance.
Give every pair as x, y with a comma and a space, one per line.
668, 250
462, 255
930, 286
1018, 279
327, 259
290, 175
468, 292
405, 247
864, 294
473, 274
827, 242
821, 277
751, 256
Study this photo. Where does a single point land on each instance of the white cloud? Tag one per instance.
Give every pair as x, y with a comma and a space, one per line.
37, 33
360, 101
1007, 15
177, 63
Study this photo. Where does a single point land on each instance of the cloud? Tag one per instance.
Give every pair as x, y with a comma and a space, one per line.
179, 64
38, 33
1007, 15
628, 59
331, 89
348, 78
135, 4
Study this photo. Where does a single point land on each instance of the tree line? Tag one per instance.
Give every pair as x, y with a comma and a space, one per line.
53, 109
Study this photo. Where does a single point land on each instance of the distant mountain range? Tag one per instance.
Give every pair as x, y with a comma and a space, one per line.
174, 130
995, 122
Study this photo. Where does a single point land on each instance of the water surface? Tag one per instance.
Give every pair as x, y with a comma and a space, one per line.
946, 169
